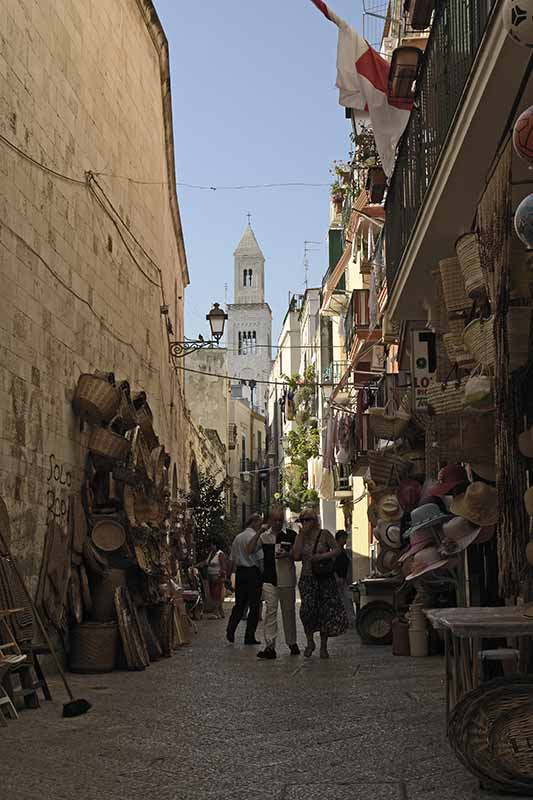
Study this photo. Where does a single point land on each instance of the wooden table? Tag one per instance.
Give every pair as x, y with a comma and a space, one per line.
463, 630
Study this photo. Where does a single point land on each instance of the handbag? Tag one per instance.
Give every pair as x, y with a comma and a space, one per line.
322, 569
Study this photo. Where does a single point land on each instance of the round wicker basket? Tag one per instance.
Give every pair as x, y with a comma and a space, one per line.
95, 399
109, 444
480, 341
453, 287
468, 252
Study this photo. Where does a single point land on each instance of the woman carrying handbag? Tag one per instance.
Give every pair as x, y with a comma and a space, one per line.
322, 609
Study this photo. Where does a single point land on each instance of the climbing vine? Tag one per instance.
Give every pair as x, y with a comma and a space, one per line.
302, 442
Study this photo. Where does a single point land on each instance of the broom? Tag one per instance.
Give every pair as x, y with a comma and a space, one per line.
74, 708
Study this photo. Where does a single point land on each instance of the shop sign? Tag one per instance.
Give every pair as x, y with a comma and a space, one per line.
423, 366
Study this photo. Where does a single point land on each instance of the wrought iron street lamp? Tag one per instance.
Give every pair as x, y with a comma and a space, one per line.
217, 320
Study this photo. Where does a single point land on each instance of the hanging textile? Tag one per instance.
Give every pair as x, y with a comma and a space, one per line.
372, 303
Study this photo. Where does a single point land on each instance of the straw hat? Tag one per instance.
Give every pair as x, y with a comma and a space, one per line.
450, 477
486, 472
485, 534
108, 534
389, 508
387, 561
528, 501
389, 535
419, 541
479, 504
425, 516
458, 534
525, 443
425, 561
409, 493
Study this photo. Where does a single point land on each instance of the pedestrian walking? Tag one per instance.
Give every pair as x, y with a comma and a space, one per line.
343, 575
279, 581
248, 581
217, 566
322, 609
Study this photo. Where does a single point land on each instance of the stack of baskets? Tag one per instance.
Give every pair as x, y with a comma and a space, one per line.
387, 467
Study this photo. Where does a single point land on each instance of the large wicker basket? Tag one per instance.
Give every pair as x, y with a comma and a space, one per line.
387, 467
453, 287
468, 251
145, 420
95, 399
389, 422
93, 647
106, 443
447, 397
480, 341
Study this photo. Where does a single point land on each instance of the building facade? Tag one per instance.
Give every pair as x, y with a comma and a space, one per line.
87, 257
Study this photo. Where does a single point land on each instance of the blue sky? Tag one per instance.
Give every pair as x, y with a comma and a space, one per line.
254, 102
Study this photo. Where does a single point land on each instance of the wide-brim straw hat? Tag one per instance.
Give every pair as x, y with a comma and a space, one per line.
425, 561
419, 541
479, 504
450, 477
425, 516
388, 508
525, 443
387, 561
486, 472
485, 534
389, 535
458, 534
108, 535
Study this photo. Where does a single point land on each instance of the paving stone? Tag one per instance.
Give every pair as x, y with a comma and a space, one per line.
214, 722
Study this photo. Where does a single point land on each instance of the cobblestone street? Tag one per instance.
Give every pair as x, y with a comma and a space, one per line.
215, 722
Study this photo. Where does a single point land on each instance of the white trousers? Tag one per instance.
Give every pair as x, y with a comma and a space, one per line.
286, 598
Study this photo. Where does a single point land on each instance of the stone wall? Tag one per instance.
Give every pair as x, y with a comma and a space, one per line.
83, 86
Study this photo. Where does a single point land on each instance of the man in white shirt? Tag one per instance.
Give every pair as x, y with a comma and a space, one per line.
279, 581
248, 567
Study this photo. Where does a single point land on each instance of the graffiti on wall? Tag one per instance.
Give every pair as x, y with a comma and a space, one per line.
59, 481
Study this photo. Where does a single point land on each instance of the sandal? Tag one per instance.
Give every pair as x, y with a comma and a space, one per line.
309, 650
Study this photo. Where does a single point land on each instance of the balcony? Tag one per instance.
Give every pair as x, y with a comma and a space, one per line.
334, 372
357, 320
456, 35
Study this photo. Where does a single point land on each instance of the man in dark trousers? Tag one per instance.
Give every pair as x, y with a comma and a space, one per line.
248, 570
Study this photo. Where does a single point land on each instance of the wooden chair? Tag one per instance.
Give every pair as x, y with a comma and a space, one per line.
5, 700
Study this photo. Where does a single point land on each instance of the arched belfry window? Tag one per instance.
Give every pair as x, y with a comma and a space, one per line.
250, 273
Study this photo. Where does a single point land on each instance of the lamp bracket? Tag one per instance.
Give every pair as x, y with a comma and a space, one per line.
187, 346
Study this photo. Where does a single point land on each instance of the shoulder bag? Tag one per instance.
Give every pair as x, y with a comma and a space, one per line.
323, 568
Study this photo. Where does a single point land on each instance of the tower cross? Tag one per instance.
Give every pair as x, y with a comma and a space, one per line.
249, 217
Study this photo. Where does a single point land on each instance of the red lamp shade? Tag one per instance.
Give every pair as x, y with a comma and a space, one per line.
404, 70
420, 12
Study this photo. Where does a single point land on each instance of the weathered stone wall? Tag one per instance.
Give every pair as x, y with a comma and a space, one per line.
83, 86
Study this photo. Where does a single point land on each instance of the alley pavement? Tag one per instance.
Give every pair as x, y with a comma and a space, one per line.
215, 722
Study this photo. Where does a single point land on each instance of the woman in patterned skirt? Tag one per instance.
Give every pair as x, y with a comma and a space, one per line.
322, 609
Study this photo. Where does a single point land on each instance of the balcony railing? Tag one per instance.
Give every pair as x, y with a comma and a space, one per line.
456, 35
357, 317
334, 372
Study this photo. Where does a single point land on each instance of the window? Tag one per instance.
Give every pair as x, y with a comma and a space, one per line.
259, 443
247, 277
254, 342
240, 343
250, 277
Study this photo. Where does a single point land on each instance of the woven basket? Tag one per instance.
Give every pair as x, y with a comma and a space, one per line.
145, 420
468, 252
387, 467
518, 330
106, 443
389, 422
126, 413
103, 595
447, 397
93, 647
95, 399
453, 342
453, 287
480, 341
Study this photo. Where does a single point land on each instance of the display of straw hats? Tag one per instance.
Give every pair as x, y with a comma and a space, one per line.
426, 516
458, 534
108, 534
479, 504
389, 508
486, 472
389, 535
525, 443
424, 561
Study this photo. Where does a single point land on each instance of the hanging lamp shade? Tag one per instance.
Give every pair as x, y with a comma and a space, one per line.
404, 70
217, 319
420, 12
